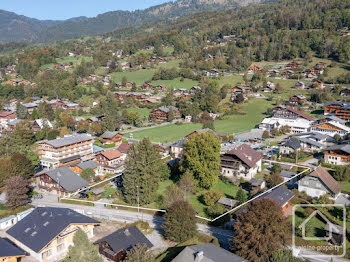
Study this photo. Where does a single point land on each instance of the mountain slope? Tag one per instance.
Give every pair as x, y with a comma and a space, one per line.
15, 27
20, 28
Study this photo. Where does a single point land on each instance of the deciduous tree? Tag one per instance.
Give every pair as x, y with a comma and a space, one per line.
139, 253
16, 188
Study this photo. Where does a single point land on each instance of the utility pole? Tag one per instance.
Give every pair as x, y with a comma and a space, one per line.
138, 202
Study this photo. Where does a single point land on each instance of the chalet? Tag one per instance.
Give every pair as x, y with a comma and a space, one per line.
318, 70
161, 88
253, 68
39, 124
313, 141
317, 84
17, 82
321, 64
206, 253
299, 85
281, 196
80, 167
194, 89
162, 113
60, 181
212, 73
318, 183
310, 75
241, 89
296, 100
125, 65
253, 136
273, 72
298, 121
47, 232
115, 245
110, 158
288, 178
5, 118
10, 252
293, 65
109, 137
289, 146
338, 109
288, 73
124, 148
53, 151
345, 92
30, 107
147, 86
330, 128
337, 154
177, 148
241, 162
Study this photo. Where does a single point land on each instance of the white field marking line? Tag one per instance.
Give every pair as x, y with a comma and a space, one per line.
95, 184
250, 200
210, 220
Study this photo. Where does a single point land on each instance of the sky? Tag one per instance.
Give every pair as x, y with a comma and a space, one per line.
64, 9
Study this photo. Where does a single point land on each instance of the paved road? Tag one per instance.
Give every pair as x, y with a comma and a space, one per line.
317, 257
100, 211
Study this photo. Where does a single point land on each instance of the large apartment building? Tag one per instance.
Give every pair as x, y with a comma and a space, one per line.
65, 151
337, 154
339, 109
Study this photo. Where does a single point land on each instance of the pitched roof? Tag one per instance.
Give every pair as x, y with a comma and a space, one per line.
292, 143
209, 253
327, 179
125, 239
247, 154
88, 164
66, 178
109, 134
301, 114
9, 249
167, 108
112, 154
7, 113
228, 201
69, 140
344, 147
124, 148
280, 194
44, 224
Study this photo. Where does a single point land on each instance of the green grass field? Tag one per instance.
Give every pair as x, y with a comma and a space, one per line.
68, 59
143, 112
345, 185
254, 110
139, 76
176, 83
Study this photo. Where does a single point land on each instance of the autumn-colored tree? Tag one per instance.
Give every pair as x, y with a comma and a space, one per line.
259, 231
139, 253
266, 134
275, 179
202, 158
211, 197
186, 183
83, 126
172, 195
16, 188
67, 119
7, 170
23, 166
96, 128
64, 131
179, 222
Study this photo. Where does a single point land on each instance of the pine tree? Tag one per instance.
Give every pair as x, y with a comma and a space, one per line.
83, 250
179, 222
142, 173
34, 115
202, 158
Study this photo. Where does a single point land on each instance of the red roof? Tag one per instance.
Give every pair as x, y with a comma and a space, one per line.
247, 154
123, 148
301, 114
112, 154
7, 114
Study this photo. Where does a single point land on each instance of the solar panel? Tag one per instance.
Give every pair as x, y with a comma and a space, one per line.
34, 233
43, 214
46, 223
27, 230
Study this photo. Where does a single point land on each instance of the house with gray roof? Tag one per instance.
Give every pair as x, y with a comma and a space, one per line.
291, 145
60, 181
318, 183
9, 251
162, 113
337, 154
206, 253
47, 232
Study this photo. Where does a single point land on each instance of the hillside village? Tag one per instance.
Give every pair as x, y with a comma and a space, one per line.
176, 145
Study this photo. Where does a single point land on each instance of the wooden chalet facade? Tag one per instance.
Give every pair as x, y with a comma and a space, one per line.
162, 113
339, 109
110, 158
289, 113
296, 100
111, 137
337, 155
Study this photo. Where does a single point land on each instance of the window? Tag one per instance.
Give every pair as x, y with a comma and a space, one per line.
46, 254
60, 248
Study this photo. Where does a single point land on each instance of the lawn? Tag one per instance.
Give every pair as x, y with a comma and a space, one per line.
231, 80
143, 112
67, 60
254, 110
345, 185
176, 83
139, 76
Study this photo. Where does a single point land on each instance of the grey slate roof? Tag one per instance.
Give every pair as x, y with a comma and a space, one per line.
8, 249
88, 164
292, 143
167, 108
42, 225
210, 252
97, 149
287, 174
109, 134
66, 178
345, 148
311, 142
69, 140
280, 194
125, 239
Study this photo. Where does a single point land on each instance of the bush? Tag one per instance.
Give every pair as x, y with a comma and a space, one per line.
215, 210
211, 197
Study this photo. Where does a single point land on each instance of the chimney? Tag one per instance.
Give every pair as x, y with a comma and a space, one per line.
198, 256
